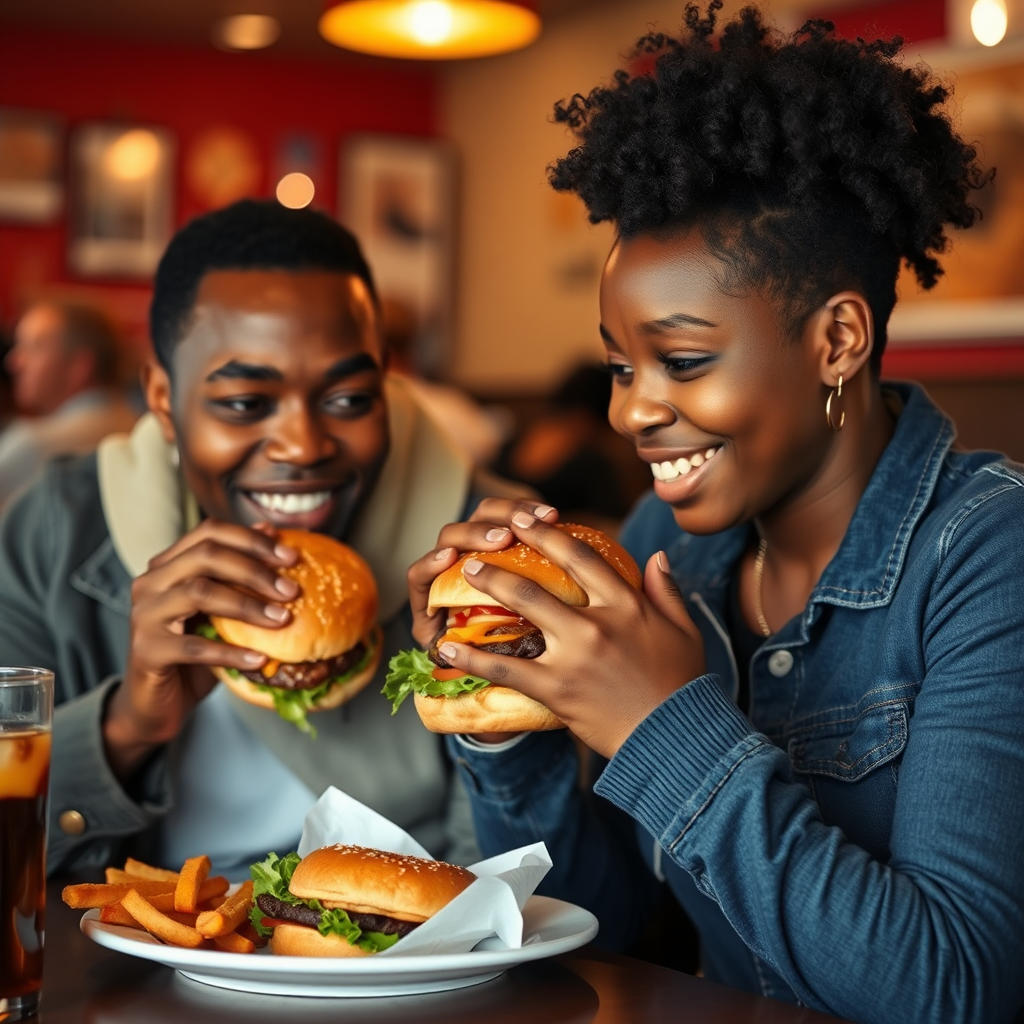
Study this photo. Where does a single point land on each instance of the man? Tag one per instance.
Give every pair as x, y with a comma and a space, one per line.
63, 367
269, 405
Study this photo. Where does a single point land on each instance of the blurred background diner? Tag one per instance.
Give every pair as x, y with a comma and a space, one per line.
121, 121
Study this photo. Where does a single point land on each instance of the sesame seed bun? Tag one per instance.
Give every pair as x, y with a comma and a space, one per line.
452, 590
366, 881
336, 606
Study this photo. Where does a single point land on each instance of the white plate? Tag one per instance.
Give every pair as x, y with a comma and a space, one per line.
550, 927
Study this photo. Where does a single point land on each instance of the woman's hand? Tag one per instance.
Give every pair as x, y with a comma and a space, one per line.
607, 666
487, 529
217, 569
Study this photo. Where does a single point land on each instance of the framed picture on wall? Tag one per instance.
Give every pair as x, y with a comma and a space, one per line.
121, 217
31, 166
398, 196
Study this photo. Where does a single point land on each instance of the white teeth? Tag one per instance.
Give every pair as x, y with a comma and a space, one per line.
680, 467
291, 504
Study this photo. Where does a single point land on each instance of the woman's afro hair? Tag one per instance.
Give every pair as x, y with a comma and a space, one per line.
811, 163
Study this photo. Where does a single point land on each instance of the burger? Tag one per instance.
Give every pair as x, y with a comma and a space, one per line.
447, 699
329, 649
348, 900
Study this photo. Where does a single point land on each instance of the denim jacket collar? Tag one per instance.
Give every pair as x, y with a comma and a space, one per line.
866, 568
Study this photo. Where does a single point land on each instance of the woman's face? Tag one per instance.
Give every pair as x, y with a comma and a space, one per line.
725, 407
277, 398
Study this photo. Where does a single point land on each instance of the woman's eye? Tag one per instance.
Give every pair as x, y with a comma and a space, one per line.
619, 371
682, 365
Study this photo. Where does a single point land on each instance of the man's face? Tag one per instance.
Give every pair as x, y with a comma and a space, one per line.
40, 363
276, 398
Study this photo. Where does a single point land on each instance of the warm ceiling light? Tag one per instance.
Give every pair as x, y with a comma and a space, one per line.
295, 190
132, 156
988, 21
246, 32
431, 29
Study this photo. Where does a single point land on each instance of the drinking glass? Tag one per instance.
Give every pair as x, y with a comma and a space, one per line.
26, 712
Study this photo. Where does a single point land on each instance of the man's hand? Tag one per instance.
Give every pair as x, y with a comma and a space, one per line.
217, 569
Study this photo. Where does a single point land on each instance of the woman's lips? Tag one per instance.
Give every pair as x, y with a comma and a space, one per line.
675, 479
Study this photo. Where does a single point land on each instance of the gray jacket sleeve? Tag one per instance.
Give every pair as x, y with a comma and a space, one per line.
59, 609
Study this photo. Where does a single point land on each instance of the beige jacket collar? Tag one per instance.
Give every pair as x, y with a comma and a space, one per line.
423, 485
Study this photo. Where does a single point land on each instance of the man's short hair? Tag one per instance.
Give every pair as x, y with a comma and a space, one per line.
248, 235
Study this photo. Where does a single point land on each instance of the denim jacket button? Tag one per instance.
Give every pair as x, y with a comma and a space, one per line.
780, 663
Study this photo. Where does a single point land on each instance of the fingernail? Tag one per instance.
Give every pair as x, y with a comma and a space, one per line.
448, 651
542, 510
523, 520
275, 612
472, 566
252, 658
287, 586
439, 556
663, 562
499, 533
285, 553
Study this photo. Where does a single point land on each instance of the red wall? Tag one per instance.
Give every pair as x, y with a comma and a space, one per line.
188, 90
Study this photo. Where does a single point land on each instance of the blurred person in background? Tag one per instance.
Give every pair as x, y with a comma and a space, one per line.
564, 453
478, 431
63, 370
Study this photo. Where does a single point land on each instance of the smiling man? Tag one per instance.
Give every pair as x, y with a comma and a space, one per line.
269, 408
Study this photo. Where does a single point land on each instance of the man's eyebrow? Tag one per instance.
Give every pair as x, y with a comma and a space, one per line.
606, 334
673, 321
352, 365
236, 370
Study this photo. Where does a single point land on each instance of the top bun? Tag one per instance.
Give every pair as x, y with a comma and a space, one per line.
452, 590
369, 881
335, 609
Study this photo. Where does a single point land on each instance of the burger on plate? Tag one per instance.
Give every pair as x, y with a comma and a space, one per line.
447, 699
348, 900
329, 649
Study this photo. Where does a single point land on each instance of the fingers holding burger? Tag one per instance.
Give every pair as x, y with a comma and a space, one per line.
329, 648
450, 700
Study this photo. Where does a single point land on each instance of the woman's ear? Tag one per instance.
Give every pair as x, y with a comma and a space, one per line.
846, 333
156, 386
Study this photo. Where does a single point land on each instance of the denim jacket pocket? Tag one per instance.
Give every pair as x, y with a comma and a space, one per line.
848, 748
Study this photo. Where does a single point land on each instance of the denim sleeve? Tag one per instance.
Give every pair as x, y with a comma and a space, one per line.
935, 933
530, 792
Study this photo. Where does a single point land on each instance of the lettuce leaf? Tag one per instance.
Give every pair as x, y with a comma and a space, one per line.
412, 672
293, 705
273, 876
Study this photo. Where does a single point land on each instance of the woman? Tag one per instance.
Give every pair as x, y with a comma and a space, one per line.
815, 713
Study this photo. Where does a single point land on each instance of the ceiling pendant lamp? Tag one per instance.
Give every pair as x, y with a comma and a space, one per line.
431, 29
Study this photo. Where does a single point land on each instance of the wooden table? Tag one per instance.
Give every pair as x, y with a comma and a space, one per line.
85, 983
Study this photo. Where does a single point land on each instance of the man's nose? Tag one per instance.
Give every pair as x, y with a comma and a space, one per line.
301, 439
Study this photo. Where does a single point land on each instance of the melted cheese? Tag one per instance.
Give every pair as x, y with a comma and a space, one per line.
270, 668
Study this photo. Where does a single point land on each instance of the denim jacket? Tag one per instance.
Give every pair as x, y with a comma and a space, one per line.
856, 843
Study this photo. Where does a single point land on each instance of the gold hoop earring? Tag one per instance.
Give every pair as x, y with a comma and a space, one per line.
836, 392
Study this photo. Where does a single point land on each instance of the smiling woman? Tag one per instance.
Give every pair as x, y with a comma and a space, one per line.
814, 713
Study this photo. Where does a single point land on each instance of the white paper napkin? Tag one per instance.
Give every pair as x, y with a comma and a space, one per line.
491, 906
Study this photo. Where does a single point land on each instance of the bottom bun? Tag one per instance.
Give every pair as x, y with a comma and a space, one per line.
492, 709
301, 940
335, 696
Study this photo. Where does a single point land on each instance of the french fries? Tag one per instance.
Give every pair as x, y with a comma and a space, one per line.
215, 924
190, 879
171, 905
